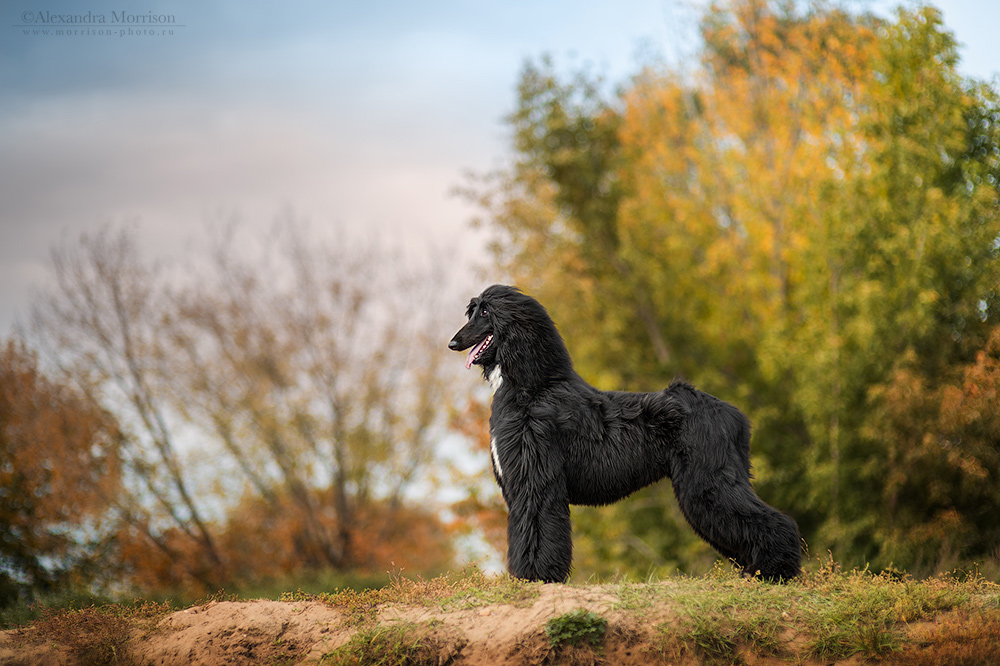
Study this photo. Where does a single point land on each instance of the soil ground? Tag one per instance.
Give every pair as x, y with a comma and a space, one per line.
236, 633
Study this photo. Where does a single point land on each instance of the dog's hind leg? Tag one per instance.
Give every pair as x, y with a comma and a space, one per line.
712, 487
760, 539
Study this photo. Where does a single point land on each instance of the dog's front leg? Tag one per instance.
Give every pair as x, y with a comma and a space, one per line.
539, 537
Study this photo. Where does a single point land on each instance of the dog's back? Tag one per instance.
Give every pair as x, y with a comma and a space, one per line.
614, 442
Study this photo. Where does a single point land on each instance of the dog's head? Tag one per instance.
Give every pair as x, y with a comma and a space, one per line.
509, 328
485, 314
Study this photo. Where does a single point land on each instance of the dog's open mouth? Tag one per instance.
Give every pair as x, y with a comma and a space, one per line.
477, 351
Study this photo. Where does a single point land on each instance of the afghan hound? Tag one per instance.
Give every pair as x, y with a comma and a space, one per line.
555, 441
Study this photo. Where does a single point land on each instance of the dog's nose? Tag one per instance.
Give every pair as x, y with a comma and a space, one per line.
453, 345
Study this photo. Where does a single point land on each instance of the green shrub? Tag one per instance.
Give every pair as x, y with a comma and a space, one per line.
575, 627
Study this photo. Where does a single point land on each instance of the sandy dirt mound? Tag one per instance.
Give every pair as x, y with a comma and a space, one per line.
238, 633
271, 632
225, 633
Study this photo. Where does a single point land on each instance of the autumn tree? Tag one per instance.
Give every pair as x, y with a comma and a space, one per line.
811, 209
910, 272
321, 381
941, 488
59, 477
100, 324
278, 401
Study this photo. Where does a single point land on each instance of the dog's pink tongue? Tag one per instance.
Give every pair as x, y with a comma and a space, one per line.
472, 353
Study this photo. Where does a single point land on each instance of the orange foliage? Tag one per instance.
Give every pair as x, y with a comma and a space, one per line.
944, 466
169, 562
271, 540
400, 538
730, 171
59, 466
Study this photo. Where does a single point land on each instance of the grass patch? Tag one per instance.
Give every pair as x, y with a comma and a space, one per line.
308, 582
957, 638
719, 620
404, 643
576, 627
470, 588
864, 613
95, 635
720, 638
826, 615
18, 612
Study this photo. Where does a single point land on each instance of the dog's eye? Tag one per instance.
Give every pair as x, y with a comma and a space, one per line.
483, 313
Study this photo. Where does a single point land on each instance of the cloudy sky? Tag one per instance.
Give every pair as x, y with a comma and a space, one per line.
360, 115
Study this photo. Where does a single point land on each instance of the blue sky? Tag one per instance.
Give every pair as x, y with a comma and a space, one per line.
361, 115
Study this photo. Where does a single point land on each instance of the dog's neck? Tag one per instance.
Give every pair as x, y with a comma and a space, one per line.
529, 360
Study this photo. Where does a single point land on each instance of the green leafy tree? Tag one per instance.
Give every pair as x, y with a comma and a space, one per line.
812, 210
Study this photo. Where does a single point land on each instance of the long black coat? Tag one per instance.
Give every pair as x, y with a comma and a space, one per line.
556, 441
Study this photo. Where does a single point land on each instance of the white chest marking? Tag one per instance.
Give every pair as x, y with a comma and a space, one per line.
496, 457
496, 378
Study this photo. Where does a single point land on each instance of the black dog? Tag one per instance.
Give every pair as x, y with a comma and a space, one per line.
555, 441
